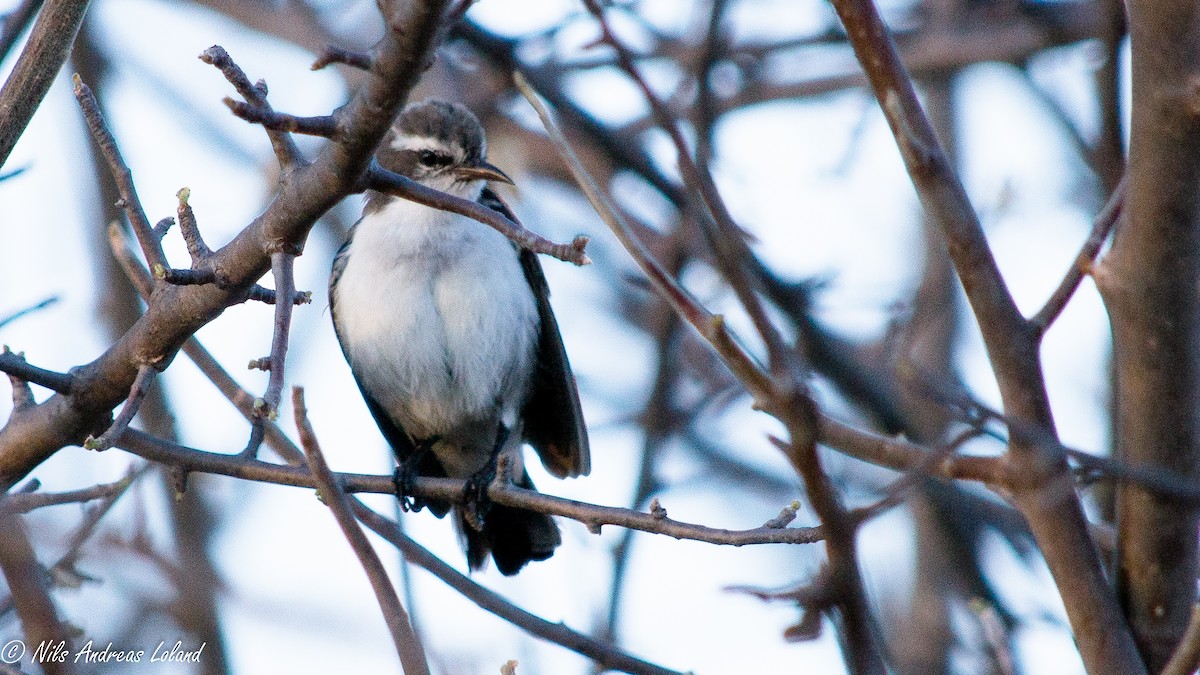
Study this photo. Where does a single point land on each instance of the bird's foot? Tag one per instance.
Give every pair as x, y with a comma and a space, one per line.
404, 479
476, 503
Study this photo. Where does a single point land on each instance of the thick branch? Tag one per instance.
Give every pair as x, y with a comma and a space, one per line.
176, 312
40, 61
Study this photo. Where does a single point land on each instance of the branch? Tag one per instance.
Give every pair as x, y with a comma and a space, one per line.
380, 179
286, 152
1186, 658
322, 125
151, 245
39, 63
408, 645
604, 654
448, 489
16, 366
176, 312
26, 502
1101, 226
137, 393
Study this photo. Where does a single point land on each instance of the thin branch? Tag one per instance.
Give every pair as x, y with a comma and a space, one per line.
16, 366
197, 249
1101, 227
408, 645
394, 184
267, 296
334, 54
448, 489
4, 321
26, 502
35, 70
602, 653
322, 125
151, 245
286, 152
723, 234
137, 393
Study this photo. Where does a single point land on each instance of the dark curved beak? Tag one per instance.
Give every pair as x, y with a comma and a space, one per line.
482, 171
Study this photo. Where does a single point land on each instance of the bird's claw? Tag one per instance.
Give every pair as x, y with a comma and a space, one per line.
404, 479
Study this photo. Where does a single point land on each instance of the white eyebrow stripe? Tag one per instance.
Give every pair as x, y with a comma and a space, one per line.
420, 143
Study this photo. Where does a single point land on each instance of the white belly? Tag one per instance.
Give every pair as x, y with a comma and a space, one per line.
438, 320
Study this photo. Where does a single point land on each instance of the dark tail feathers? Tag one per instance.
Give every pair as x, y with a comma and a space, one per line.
513, 537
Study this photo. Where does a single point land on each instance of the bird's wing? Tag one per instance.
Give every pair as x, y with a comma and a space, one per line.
553, 418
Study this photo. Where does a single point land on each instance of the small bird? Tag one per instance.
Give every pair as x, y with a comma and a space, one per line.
448, 330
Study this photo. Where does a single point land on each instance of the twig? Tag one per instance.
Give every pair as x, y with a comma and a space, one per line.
35, 70
447, 489
382, 180
722, 233
267, 296
16, 366
602, 653
4, 321
321, 125
408, 645
334, 54
137, 393
286, 152
197, 249
282, 267
1101, 226
26, 502
151, 246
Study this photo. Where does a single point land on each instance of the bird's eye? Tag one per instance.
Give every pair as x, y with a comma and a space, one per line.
432, 159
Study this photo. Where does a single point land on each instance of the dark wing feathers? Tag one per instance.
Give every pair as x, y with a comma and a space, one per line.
553, 418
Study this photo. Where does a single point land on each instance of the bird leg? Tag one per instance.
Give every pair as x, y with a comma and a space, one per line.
407, 471
476, 503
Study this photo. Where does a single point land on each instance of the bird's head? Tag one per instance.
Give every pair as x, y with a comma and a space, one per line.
440, 145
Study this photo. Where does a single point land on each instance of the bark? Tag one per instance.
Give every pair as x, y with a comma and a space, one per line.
1148, 283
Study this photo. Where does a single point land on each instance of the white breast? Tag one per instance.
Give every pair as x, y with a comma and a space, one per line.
437, 318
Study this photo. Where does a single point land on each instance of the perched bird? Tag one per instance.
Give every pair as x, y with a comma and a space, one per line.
448, 330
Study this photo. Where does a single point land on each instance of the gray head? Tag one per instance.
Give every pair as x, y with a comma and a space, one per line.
440, 143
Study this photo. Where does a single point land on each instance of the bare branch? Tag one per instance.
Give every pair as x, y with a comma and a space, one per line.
334, 54
16, 366
1186, 658
26, 502
1105, 221
151, 246
323, 125
27, 582
602, 653
450, 490
137, 393
394, 184
35, 70
408, 645
285, 148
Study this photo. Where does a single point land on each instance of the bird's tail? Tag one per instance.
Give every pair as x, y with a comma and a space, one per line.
513, 536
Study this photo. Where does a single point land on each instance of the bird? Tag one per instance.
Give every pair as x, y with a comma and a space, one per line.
449, 333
